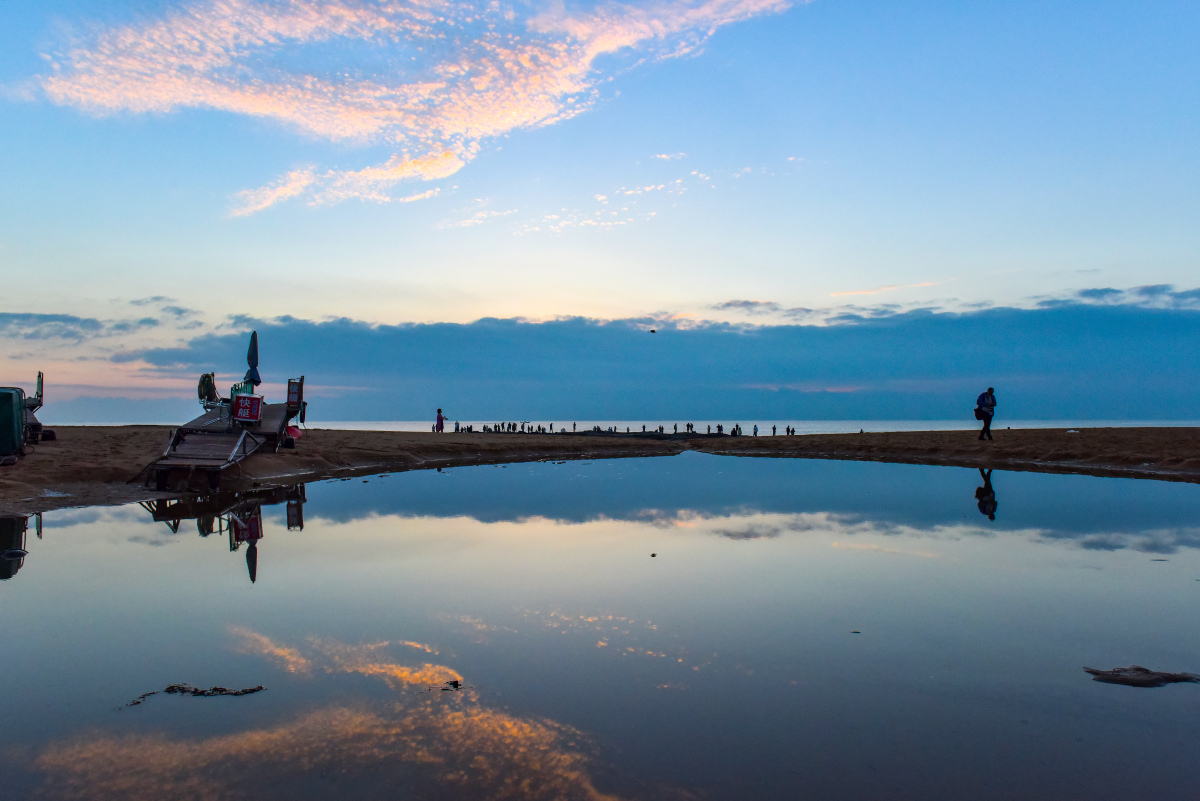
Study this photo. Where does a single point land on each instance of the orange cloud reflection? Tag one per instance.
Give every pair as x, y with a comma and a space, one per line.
429, 744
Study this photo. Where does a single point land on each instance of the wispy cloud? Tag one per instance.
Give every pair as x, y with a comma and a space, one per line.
290, 185
617, 208
333, 186
428, 193
1155, 296
669, 156
479, 217
67, 327
879, 289
431, 78
749, 306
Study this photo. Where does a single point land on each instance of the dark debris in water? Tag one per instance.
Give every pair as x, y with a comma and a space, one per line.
1137, 676
197, 692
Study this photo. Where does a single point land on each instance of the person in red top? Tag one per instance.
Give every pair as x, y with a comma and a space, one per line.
441, 422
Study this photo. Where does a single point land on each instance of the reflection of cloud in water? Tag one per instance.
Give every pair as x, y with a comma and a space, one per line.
473, 628
748, 525
752, 531
448, 745
753, 526
863, 546
335, 657
156, 542
250, 642
432, 745
624, 634
1155, 541
87, 516
366, 659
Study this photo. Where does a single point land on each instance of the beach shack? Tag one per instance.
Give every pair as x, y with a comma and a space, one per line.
230, 429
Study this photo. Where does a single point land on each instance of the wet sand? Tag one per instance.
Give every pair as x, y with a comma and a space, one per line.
91, 465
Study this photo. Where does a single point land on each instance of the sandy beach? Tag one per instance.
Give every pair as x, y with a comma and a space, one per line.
93, 465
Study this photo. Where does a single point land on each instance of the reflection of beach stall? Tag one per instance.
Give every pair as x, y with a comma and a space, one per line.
19, 425
236, 514
12, 543
230, 429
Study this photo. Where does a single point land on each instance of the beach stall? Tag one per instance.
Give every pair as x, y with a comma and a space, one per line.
229, 430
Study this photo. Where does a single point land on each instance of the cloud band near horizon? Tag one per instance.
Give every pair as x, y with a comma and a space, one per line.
1071, 361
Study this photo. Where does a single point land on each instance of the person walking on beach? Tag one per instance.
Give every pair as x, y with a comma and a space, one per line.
986, 496
440, 426
985, 410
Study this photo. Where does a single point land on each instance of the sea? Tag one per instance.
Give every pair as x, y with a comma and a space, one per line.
678, 627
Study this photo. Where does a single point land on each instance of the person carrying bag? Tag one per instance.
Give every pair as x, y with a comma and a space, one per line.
985, 410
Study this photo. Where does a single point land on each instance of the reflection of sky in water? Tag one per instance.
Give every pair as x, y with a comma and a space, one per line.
724, 667
1097, 513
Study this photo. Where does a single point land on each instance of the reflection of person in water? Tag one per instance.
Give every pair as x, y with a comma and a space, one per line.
986, 496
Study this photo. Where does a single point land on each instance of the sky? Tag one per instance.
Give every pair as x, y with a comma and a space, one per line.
830, 209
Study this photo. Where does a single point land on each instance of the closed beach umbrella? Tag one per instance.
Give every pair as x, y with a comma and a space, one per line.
252, 560
252, 359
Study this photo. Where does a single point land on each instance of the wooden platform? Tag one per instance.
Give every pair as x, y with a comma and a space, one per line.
208, 450
174, 510
213, 442
271, 427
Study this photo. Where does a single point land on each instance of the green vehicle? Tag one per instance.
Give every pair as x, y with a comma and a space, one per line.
12, 543
19, 425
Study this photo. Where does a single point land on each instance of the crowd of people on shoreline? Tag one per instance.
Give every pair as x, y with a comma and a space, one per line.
526, 427
985, 410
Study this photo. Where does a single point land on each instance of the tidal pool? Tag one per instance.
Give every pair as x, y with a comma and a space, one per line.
678, 627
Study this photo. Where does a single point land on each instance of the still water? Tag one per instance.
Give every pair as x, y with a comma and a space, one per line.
804, 629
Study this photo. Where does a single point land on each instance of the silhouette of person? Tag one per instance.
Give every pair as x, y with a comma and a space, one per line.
440, 425
986, 496
986, 406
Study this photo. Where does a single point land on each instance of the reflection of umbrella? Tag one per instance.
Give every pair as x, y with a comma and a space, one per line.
252, 560
252, 359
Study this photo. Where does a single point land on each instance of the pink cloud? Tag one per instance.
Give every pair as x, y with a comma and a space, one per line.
458, 73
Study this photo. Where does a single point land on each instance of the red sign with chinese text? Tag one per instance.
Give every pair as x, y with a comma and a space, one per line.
248, 528
247, 408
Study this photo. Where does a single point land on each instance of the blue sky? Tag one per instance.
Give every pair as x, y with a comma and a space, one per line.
196, 164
